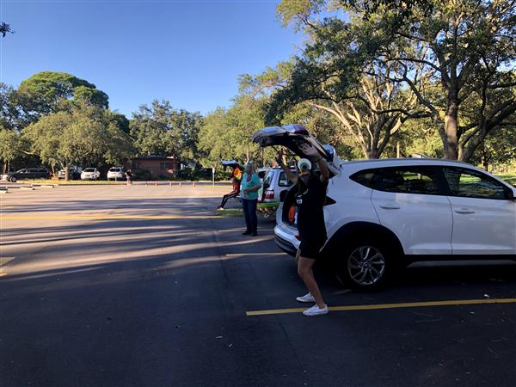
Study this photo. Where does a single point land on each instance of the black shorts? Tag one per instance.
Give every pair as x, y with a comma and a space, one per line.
311, 247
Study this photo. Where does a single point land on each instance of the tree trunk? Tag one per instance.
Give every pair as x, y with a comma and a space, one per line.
485, 161
450, 136
67, 177
467, 151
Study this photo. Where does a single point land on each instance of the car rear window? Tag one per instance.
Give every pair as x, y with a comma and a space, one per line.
268, 179
89, 170
114, 170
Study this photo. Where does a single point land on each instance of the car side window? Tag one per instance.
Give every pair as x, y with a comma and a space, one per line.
473, 184
283, 180
412, 180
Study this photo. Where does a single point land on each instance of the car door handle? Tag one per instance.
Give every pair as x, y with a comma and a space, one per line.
390, 206
464, 211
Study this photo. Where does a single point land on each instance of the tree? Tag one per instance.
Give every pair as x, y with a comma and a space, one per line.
187, 125
84, 134
153, 131
10, 146
226, 133
122, 121
47, 91
465, 48
11, 108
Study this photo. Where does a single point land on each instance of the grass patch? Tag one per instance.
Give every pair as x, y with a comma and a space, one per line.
231, 213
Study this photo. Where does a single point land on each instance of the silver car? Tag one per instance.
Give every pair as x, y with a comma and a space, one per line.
274, 184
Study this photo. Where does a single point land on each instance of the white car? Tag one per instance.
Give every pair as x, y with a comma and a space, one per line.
90, 174
116, 173
382, 215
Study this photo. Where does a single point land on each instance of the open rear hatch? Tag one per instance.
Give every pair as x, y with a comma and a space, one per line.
293, 137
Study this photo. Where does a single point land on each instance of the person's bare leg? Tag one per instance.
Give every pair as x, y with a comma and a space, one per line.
304, 269
298, 255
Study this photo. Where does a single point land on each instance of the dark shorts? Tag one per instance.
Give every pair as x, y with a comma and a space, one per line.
310, 247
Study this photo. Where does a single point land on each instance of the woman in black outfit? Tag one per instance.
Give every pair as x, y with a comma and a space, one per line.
311, 194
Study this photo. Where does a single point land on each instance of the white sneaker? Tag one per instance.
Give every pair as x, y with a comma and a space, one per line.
306, 298
316, 311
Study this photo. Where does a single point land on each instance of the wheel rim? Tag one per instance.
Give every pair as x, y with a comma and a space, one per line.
366, 265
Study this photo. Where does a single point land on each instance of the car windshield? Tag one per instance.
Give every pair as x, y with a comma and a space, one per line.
89, 170
114, 170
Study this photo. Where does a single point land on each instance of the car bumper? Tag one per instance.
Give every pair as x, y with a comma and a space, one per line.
286, 240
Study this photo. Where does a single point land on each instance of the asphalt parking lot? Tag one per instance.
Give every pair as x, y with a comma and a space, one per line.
145, 286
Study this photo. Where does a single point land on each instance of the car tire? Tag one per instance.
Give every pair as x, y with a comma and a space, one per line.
364, 264
12, 179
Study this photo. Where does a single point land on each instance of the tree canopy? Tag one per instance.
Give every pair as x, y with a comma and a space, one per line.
47, 90
84, 134
456, 57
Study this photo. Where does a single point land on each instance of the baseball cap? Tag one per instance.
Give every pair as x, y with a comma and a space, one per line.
304, 164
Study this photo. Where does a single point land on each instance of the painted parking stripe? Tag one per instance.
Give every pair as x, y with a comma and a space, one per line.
254, 254
4, 261
105, 217
389, 306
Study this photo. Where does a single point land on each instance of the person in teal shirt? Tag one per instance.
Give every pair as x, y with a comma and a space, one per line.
249, 193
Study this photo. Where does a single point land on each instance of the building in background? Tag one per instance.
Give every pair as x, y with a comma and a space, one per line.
154, 167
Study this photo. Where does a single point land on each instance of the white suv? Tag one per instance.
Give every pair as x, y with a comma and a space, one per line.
382, 215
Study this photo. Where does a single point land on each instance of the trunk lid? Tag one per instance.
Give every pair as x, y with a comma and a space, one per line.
293, 137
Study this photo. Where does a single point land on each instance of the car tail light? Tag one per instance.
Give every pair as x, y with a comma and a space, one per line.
269, 194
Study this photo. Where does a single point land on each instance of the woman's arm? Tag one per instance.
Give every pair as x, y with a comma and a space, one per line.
257, 184
290, 175
323, 167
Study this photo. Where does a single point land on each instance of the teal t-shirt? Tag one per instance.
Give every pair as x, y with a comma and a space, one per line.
255, 181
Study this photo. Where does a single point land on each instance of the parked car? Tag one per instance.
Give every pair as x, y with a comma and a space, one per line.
116, 173
275, 183
27, 173
382, 215
73, 174
90, 174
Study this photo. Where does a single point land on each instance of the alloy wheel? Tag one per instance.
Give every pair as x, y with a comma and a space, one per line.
366, 265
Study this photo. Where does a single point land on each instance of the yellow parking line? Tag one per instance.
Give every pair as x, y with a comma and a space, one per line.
4, 261
253, 254
104, 217
390, 306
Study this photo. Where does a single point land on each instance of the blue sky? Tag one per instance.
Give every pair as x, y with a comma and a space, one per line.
189, 52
